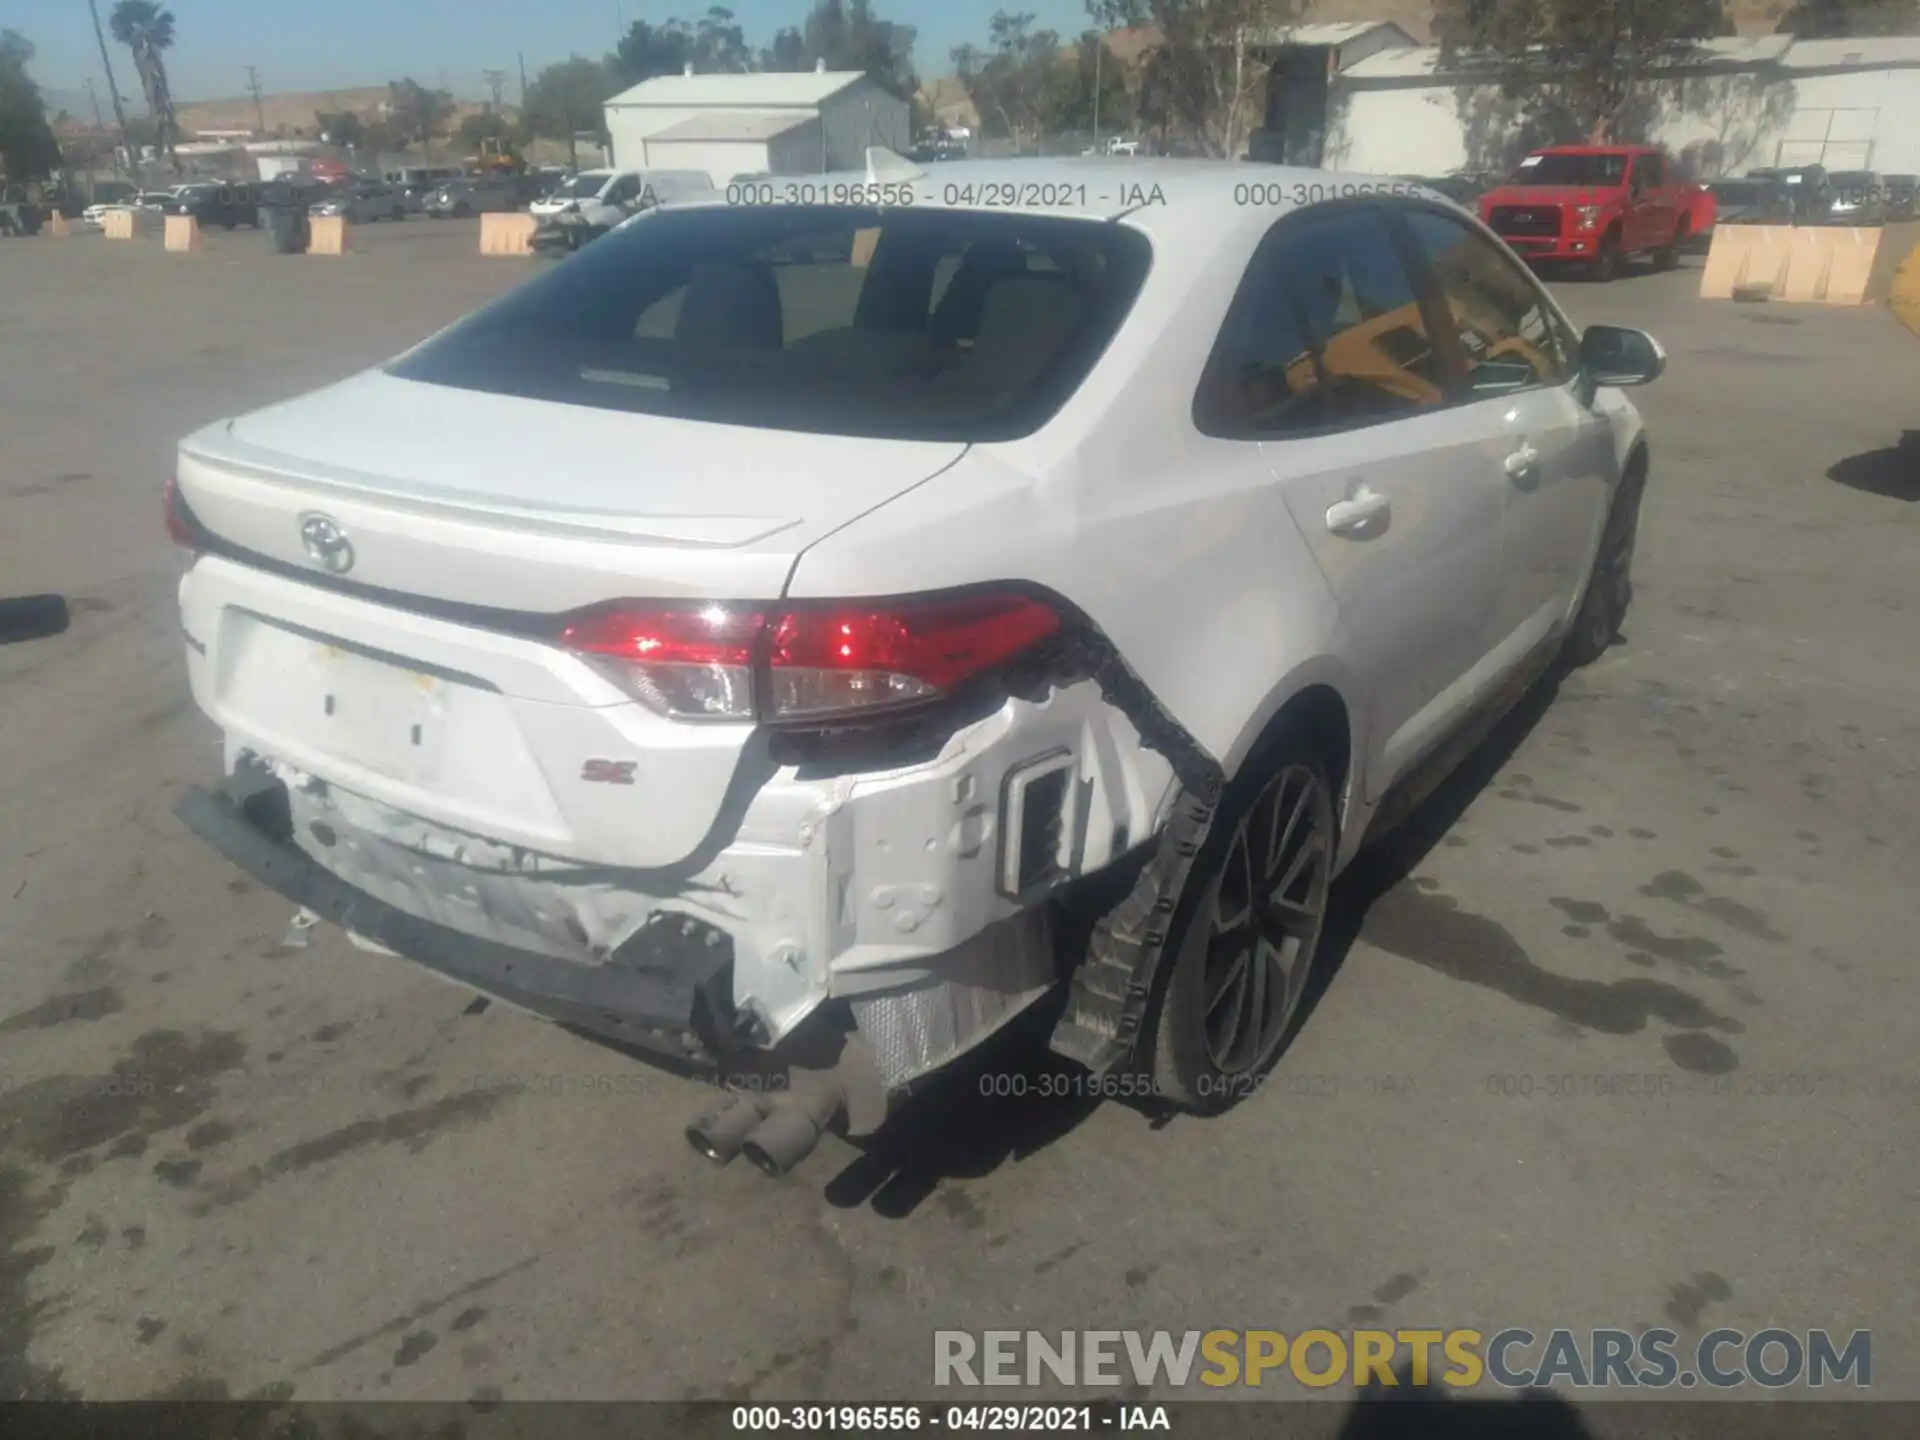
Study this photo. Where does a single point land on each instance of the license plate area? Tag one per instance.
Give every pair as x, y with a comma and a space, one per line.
374, 712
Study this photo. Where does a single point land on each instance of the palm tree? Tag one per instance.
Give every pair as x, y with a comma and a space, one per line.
146, 28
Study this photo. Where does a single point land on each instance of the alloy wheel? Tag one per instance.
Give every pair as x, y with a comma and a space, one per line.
1265, 921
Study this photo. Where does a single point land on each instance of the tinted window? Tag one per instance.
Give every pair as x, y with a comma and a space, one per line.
1327, 331
819, 319
1649, 172
1508, 336
1571, 170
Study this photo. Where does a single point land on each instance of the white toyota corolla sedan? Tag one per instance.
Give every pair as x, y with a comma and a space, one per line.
757, 638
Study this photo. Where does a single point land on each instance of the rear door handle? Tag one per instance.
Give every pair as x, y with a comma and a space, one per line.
1522, 463
1349, 517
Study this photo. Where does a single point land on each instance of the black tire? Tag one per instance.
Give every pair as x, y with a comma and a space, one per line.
1219, 1022
1609, 594
1668, 255
1606, 265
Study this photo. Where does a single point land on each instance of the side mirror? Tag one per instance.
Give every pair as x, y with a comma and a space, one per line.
1614, 355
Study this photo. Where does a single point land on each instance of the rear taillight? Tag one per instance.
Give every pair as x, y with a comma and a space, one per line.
810, 662
182, 529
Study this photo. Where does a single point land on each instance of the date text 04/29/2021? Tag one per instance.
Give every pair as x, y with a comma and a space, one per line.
1010, 1419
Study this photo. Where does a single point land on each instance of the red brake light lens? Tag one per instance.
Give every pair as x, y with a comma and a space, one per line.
181, 527
819, 662
844, 658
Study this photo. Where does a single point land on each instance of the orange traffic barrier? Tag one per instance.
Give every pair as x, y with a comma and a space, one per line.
506, 234
118, 224
1806, 265
57, 226
183, 234
327, 235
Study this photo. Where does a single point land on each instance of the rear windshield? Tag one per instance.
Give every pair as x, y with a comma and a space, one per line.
927, 324
1571, 170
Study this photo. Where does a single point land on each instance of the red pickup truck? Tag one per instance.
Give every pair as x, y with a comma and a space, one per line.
1597, 205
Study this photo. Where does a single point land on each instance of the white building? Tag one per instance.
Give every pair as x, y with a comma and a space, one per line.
1738, 103
728, 125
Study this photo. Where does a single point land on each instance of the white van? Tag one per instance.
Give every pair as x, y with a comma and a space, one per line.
603, 198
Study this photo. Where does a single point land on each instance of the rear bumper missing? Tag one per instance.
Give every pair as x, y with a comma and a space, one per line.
666, 991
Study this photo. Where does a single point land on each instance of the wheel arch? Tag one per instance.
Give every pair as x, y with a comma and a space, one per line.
1317, 696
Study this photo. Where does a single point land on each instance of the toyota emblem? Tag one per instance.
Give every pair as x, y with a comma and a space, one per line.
326, 544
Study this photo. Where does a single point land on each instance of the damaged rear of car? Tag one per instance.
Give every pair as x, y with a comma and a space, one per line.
517, 682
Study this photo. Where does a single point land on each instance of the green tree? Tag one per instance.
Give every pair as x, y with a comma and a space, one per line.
481, 125
567, 97
146, 29
417, 113
28, 150
1012, 83
378, 137
847, 35
1574, 69
647, 51
1202, 78
1089, 90
340, 127
1837, 19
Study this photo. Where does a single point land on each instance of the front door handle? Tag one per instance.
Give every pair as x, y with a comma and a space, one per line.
1349, 517
1523, 463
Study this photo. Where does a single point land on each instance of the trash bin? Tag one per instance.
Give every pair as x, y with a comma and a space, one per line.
286, 227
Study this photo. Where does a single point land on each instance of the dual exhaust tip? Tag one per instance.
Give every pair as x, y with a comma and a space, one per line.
774, 1133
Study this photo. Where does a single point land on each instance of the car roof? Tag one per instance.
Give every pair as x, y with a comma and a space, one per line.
1185, 206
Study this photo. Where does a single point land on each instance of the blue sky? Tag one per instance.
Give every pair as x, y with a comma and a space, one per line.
439, 42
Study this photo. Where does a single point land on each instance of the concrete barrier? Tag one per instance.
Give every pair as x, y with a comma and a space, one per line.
506, 234
1903, 293
183, 234
327, 235
117, 224
1806, 265
57, 226
1744, 255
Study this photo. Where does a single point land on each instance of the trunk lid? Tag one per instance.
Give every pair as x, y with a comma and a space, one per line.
529, 505
381, 684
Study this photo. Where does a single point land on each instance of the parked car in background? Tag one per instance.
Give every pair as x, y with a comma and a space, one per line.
1464, 190
153, 199
1902, 196
597, 200
787, 648
1853, 197
474, 195
364, 204
1806, 183
1597, 206
226, 205
1748, 201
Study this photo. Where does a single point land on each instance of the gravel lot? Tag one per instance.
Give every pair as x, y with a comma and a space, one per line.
232, 1167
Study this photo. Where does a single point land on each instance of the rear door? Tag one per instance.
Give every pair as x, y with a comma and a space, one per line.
1517, 363
1328, 360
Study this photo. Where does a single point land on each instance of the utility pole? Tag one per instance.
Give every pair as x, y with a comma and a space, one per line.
496, 82
523, 84
113, 92
259, 110
1100, 49
99, 122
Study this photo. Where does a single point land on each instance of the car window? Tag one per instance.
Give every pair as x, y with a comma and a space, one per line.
1327, 331
1649, 172
1509, 337
623, 190
812, 318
